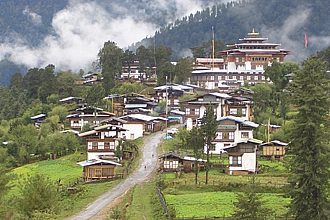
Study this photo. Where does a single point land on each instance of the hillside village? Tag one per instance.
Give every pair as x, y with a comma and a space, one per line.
239, 94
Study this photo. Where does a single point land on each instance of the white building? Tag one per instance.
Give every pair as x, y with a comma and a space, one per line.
232, 130
243, 157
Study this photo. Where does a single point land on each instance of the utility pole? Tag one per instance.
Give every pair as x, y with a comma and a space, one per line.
166, 105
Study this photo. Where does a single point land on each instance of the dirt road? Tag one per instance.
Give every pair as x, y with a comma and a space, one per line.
148, 164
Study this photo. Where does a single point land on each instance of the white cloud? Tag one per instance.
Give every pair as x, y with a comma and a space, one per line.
34, 17
79, 32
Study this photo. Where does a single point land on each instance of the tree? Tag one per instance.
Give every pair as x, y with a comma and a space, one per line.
37, 193
310, 142
195, 142
95, 95
249, 205
128, 59
110, 57
209, 129
164, 70
183, 70
277, 73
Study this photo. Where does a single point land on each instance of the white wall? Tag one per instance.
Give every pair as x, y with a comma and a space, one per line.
249, 161
134, 131
248, 65
95, 155
189, 124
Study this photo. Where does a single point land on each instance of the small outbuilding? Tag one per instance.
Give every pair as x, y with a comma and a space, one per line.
98, 169
273, 150
172, 162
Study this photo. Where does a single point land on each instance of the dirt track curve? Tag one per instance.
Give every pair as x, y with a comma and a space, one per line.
140, 175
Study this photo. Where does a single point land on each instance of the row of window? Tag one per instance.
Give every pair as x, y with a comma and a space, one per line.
230, 135
100, 145
171, 164
235, 111
211, 78
193, 111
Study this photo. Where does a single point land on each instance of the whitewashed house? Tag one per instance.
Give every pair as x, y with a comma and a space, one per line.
232, 130
243, 157
196, 108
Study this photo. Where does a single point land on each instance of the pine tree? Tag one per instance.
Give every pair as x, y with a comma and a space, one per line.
310, 143
249, 205
209, 129
195, 141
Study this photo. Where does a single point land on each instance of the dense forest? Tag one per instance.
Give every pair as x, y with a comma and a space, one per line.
278, 20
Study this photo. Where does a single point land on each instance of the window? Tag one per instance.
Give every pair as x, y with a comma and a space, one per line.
219, 135
237, 59
255, 77
262, 77
100, 145
89, 145
248, 77
245, 135
171, 164
235, 161
132, 136
94, 144
212, 78
243, 111
112, 145
231, 135
197, 111
187, 111
233, 111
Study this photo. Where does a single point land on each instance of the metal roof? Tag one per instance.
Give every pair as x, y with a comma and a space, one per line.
95, 161
38, 116
275, 142
240, 120
135, 105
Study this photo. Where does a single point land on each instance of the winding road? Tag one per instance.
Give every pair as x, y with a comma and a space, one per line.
148, 164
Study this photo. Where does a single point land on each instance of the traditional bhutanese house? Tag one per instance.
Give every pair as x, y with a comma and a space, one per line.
150, 124
239, 107
132, 71
273, 150
177, 115
243, 157
71, 100
133, 128
87, 115
196, 108
38, 119
98, 169
91, 79
173, 92
172, 162
139, 105
102, 141
130, 103
232, 130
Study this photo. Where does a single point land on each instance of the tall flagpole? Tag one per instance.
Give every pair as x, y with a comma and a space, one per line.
212, 47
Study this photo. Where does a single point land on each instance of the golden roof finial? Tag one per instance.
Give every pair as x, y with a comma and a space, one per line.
253, 33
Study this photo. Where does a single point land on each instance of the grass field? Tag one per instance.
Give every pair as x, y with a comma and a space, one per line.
219, 204
68, 171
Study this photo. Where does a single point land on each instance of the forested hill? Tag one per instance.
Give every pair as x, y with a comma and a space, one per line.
284, 22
